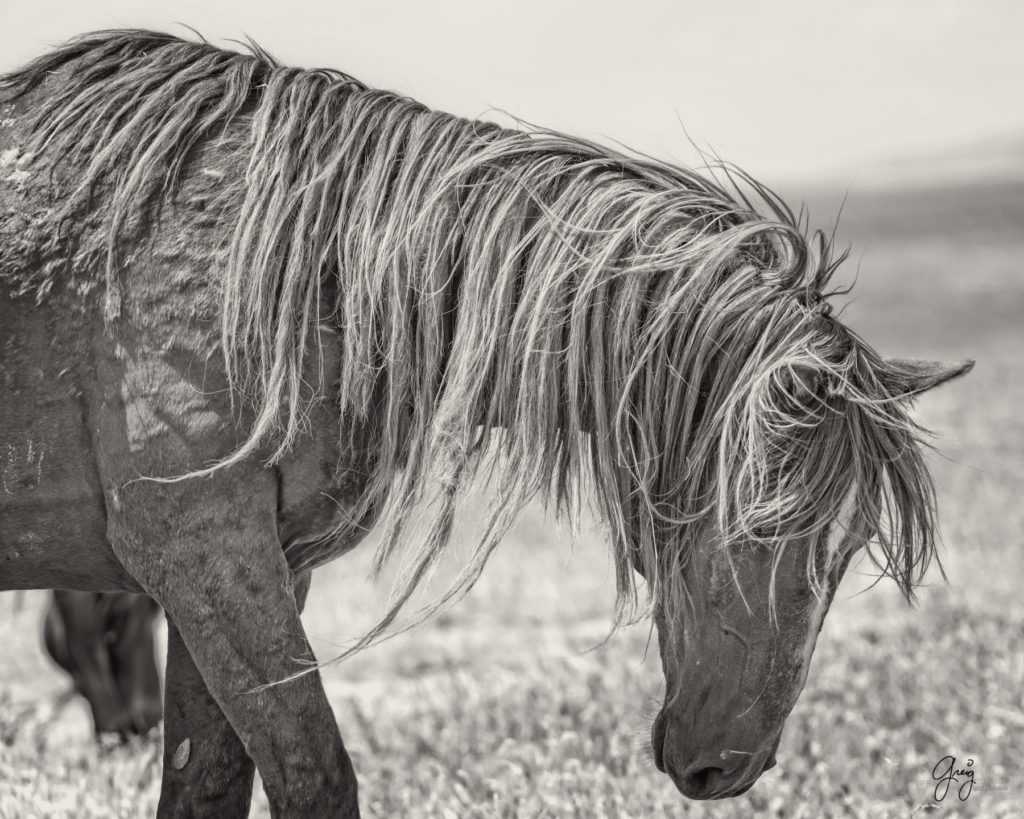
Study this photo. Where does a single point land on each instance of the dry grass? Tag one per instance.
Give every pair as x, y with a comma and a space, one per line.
501, 708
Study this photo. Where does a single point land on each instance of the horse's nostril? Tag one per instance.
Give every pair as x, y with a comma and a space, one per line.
703, 783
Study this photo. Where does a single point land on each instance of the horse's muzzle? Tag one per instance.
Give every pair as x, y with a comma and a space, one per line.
712, 775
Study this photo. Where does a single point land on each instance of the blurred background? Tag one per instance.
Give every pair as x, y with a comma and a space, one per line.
509, 704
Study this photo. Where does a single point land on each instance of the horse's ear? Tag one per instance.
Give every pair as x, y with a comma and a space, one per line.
907, 377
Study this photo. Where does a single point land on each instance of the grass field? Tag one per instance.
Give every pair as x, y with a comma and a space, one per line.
504, 707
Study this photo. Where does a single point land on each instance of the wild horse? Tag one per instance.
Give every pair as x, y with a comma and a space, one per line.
105, 643
250, 309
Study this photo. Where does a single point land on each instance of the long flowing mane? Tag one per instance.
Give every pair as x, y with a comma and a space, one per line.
577, 313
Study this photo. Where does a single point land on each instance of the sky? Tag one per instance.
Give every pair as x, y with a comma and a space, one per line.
866, 93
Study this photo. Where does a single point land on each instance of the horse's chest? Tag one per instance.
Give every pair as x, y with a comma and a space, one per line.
317, 514
321, 483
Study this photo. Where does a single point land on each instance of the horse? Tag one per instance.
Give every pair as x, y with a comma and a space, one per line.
105, 643
251, 310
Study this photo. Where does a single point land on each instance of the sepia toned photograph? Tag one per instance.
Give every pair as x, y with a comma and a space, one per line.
540, 410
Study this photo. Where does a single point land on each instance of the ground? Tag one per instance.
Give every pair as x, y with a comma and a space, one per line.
511, 705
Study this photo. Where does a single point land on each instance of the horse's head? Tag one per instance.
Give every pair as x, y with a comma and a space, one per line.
105, 642
737, 659
739, 615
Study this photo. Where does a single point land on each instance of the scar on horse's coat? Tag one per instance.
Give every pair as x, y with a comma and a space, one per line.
180, 759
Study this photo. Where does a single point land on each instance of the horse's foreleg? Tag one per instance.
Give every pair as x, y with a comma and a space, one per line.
207, 772
208, 552
245, 646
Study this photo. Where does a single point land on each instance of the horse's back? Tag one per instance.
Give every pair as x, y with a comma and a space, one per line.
52, 515
118, 373
102, 380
